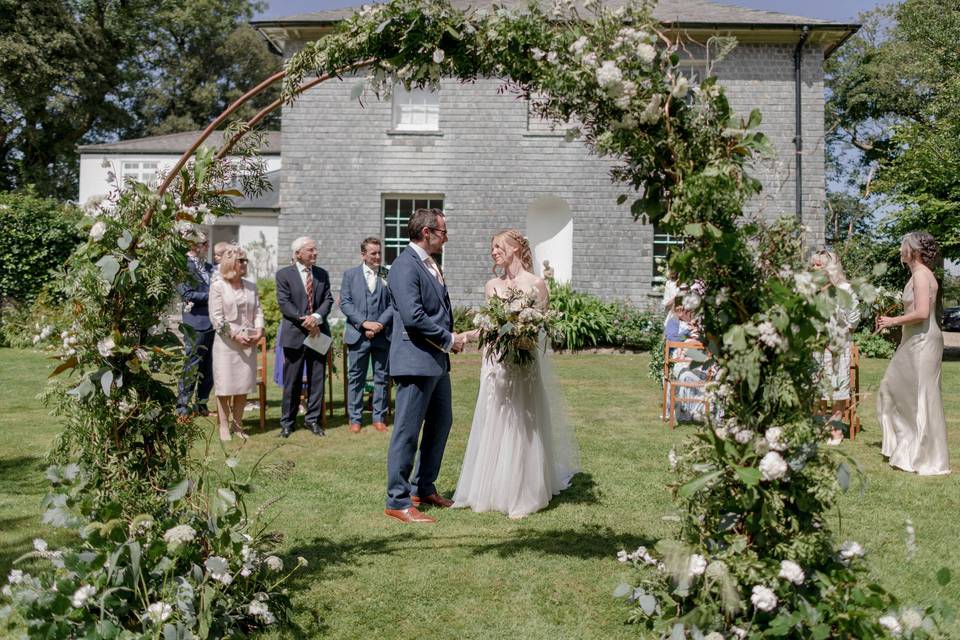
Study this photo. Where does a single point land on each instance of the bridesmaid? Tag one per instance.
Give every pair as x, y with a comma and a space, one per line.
908, 403
238, 319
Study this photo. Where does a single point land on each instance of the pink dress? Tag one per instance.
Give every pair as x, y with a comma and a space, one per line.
231, 310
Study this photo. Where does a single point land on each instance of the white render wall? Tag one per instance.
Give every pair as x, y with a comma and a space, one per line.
340, 159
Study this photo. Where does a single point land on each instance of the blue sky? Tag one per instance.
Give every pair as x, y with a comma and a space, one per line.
837, 10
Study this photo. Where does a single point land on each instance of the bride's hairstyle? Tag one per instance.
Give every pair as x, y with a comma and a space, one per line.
922, 245
829, 262
515, 239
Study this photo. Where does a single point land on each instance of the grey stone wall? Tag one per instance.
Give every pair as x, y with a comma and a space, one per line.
340, 160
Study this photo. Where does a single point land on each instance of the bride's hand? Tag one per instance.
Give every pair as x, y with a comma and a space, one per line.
885, 322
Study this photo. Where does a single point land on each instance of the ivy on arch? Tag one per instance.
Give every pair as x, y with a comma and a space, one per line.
753, 555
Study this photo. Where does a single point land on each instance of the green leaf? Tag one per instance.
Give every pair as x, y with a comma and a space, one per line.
179, 491
755, 118
820, 632
692, 487
648, 603
879, 269
106, 381
132, 269
70, 363
382, 26
124, 241
693, 229
622, 590
843, 476
228, 496
750, 476
357, 89
622, 198
944, 576
109, 267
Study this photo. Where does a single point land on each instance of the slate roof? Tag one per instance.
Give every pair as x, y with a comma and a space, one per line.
681, 12
175, 143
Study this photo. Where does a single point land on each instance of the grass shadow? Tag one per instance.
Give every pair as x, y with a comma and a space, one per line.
586, 542
23, 474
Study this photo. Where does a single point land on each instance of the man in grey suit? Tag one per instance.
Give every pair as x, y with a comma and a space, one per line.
305, 300
365, 303
420, 345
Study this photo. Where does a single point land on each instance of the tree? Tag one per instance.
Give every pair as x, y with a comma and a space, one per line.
83, 71
895, 97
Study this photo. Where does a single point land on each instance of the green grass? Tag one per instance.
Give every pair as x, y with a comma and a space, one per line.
483, 575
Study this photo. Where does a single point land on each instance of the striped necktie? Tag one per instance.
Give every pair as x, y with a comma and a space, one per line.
309, 287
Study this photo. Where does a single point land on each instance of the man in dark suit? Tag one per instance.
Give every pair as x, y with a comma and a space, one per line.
419, 363
198, 336
365, 302
303, 293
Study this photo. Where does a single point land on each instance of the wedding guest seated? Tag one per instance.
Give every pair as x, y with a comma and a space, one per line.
237, 318
834, 369
681, 326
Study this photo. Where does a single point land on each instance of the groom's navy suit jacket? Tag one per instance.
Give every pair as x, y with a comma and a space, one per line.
422, 319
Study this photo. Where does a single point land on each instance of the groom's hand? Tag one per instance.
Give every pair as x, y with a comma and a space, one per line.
459, 340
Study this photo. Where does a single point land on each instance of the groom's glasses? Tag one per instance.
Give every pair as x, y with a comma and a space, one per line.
443, 231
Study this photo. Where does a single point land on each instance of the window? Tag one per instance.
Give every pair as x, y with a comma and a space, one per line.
663, 244
416, 110
145, 172
695, 70
396, 214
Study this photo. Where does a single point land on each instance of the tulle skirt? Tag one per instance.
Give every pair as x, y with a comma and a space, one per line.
521, 451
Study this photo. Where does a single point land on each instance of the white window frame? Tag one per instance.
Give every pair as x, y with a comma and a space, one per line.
395, 237
416, 109
665, 242
695, 70
144, 171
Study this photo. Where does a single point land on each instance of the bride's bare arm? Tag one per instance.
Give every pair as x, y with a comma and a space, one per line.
543, 293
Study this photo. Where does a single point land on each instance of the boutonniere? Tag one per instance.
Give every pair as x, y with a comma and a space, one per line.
382, 274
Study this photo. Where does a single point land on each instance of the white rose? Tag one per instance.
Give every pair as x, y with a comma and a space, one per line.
98, 230
773, 466
697, 565
763, 598
274, 563
850, 549
439, 55
744, 436
774, 436
81, 595
738, 632
791, 571
623, 556
157, 612
106, 346
891, 623
911, 619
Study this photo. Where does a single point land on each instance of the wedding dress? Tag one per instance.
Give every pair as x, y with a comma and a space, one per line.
908, 403
521, 451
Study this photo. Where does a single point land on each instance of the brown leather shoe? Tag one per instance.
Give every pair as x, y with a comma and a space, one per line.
355, 428
379, 426
436, 500
410, 515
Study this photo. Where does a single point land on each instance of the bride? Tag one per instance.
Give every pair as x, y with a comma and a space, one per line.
520, 452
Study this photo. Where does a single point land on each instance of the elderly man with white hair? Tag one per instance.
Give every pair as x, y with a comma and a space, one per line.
305, 299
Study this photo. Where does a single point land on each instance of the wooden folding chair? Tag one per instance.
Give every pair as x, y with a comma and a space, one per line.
327, 408
262, 380
851, 415
670, 386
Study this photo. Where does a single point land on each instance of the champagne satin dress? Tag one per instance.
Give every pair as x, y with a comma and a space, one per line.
909, 404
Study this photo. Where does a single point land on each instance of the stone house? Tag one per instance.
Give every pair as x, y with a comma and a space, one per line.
352, 170
256, 228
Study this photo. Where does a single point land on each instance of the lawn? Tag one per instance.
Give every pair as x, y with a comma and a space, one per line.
483, 575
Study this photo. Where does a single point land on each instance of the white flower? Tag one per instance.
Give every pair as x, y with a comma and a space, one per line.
697, 565
537, 54
769, 335
98, 230
40, 545
17, 576
609, 76
763, 598
623, 556
578, 45
274, 563
850, 549
646, 53
157, 612
180, 534
791, 571
232, 462
106, 346
530, 315
911, 619
691, 301
713, 635
258, 609
651, 113
81, 595
743, 436
721, 432
672, 458
439, 55
219, 569
804, 284
515, 306
738, 632
773, 466
589, 59
680, 88
891, 623
301, 561
774, 436
552, 57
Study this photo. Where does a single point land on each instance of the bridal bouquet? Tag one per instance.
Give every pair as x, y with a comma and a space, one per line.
510, 327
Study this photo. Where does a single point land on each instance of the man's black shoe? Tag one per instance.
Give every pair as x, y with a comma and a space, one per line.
318, 430
202, 410
284, 433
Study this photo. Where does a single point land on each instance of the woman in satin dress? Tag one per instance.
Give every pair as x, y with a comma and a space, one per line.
909, 403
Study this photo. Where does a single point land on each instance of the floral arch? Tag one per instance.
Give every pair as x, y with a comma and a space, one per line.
753, 555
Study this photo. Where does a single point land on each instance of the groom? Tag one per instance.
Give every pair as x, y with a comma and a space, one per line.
420, 365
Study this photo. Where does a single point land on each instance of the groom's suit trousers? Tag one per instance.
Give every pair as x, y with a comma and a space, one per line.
421, 400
